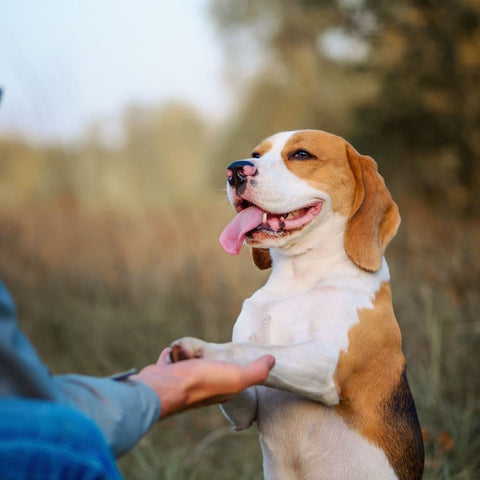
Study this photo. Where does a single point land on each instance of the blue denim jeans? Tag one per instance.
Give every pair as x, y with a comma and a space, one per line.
41, 440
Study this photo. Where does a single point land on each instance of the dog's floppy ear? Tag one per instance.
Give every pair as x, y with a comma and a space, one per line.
374, 219
261, 258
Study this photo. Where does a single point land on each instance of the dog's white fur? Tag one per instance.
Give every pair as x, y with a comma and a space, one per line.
302, 316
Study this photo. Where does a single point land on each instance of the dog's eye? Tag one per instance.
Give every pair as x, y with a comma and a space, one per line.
301, 155
255, 155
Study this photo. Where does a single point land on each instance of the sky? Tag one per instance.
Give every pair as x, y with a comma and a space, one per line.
66, 63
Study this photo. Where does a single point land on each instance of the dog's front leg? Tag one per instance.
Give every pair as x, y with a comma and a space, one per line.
241, 410
306, 368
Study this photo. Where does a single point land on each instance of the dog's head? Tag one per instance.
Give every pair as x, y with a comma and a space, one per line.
296, 182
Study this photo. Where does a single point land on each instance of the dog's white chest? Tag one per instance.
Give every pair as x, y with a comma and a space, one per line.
325, 311
322, 313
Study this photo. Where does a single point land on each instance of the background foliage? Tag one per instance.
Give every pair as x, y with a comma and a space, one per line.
111, 251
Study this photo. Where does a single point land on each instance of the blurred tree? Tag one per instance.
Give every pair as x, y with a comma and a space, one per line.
164, 154
99, 177
401, 79
428, 108
57, 178
162, 160
20, 167
31, 174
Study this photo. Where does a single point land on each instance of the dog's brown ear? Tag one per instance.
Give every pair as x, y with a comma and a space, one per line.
374, 219
261, 258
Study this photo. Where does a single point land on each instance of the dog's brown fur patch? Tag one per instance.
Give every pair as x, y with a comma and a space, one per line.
374, 218
374, 396
262, 148
261, 258
330, 171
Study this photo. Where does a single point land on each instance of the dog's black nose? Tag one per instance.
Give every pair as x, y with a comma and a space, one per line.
237, 172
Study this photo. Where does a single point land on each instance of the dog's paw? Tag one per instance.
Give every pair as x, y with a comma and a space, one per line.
187, 348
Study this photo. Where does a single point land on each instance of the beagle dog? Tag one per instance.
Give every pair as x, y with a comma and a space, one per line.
337, 404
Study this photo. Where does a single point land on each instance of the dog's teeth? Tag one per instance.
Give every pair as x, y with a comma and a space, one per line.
264, 220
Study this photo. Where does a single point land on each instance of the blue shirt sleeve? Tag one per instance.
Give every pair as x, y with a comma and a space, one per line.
123, 410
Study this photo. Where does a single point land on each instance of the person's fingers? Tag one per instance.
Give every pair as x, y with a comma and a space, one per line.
257, 371
199, 382
164, 357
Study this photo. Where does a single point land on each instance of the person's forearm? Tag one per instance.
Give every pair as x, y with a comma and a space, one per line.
124, 411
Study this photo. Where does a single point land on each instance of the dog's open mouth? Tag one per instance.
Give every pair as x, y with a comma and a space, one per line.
252, 221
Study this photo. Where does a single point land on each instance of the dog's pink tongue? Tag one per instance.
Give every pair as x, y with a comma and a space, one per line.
233, 236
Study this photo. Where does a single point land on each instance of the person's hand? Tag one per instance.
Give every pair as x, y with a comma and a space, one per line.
197, 382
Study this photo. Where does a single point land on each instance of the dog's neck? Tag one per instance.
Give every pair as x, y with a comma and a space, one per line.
317, 257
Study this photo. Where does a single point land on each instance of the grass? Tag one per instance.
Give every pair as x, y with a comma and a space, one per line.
101, 292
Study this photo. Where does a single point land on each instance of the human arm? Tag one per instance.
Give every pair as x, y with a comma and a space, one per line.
124, 411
